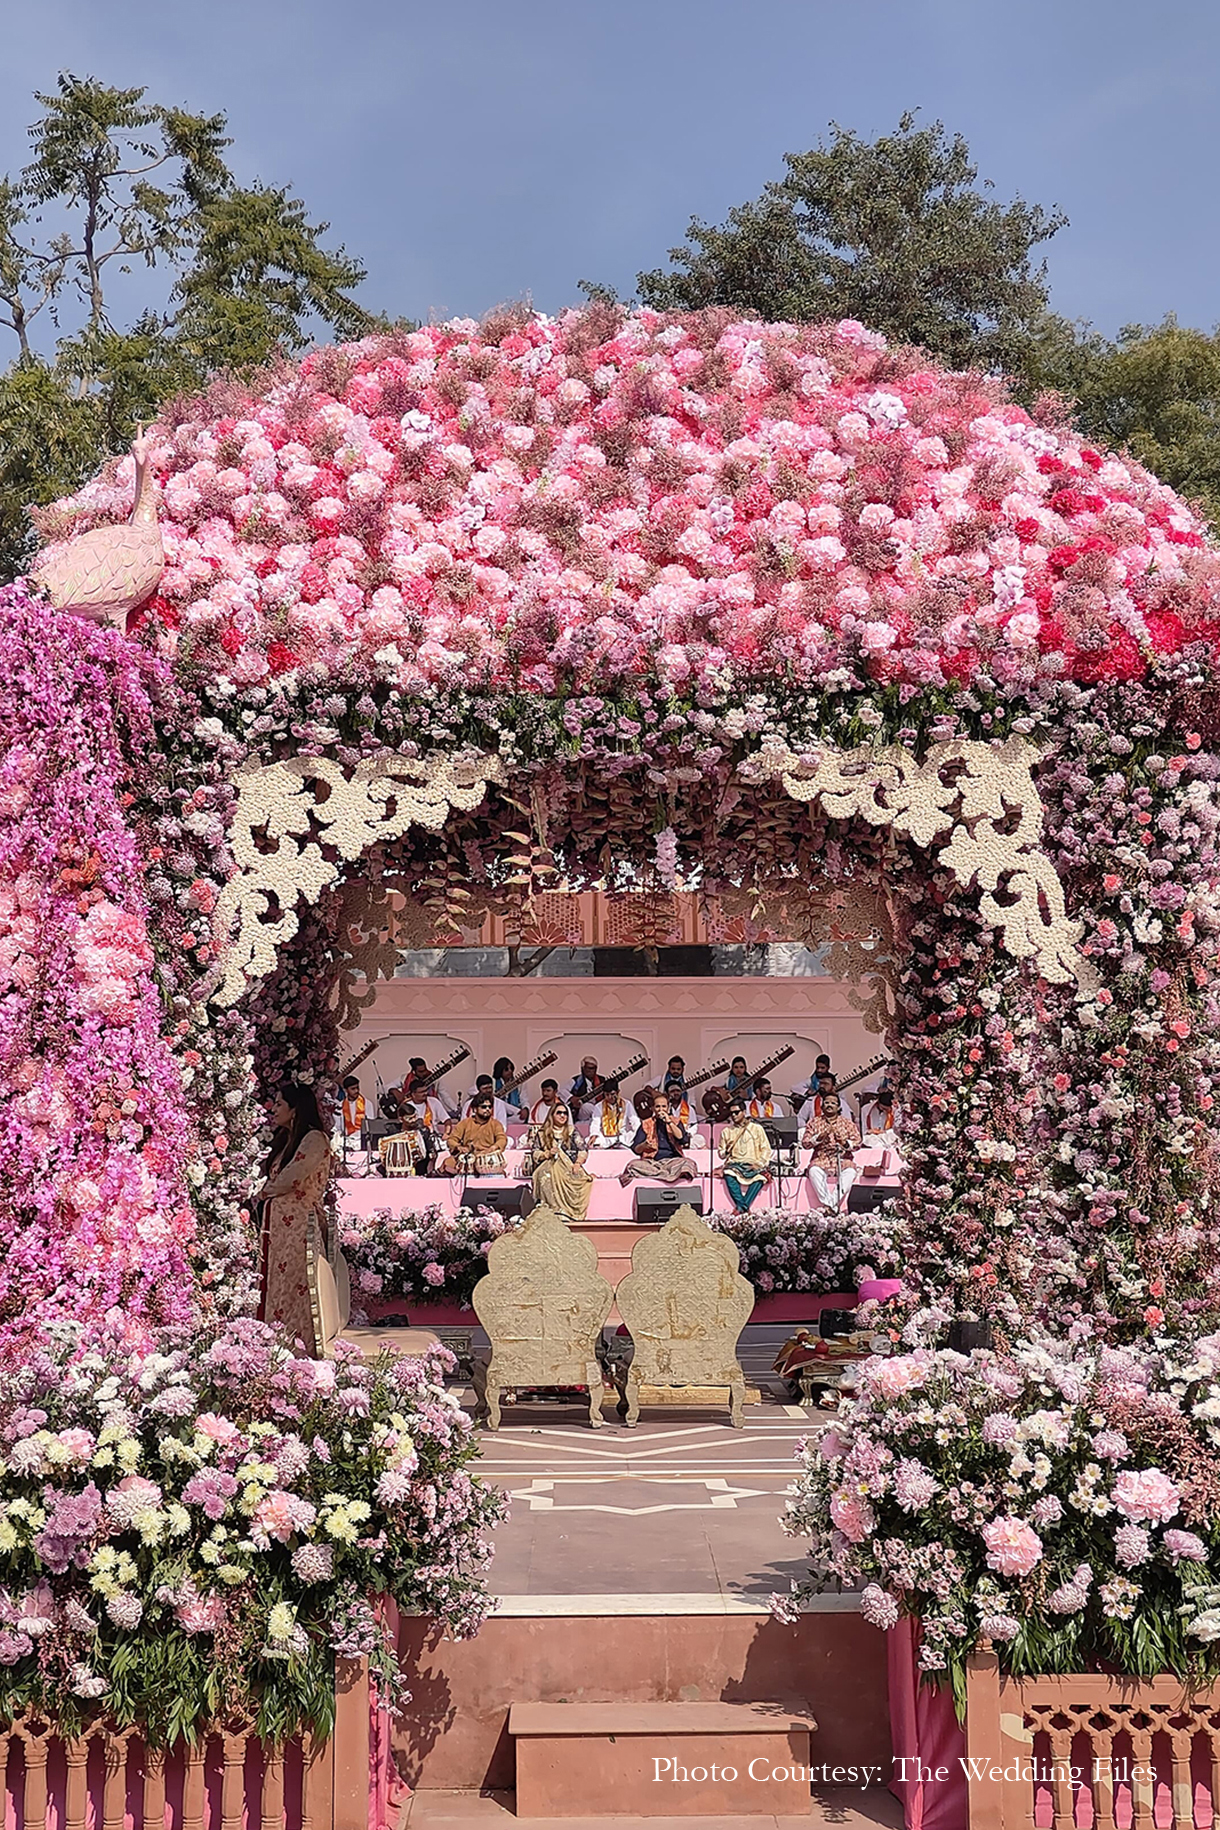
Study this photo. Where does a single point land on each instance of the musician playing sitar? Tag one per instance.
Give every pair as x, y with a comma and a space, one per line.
745, 1150
483, 1090
560, 1179
476, 1144
581, 1090
659, 1144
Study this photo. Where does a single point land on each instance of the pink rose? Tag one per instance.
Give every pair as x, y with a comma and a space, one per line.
221, 1430
1146, 1494
434, 1274
1013, 1547
893, 1378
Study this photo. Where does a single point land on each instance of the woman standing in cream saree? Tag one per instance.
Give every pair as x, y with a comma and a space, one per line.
558, 1153
291, 1196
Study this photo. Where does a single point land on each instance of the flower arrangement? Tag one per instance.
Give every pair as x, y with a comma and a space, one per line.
819, 1253
200, 1527
426, 1257
94, 1137
1063, 1505
534, 505
630, 552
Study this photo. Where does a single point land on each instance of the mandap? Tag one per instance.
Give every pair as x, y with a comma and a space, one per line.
450, 619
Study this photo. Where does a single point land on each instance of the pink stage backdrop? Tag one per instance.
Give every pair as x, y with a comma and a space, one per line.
613, 1019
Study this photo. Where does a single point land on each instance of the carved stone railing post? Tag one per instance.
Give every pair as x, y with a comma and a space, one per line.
984, 1741
351, 1744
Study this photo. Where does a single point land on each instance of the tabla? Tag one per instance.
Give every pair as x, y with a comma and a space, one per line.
482, 1163
399, 1155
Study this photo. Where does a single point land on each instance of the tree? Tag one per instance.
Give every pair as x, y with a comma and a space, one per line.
1156, 392
115, 182
892, 232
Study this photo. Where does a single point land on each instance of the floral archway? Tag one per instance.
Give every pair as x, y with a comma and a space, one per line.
491, 610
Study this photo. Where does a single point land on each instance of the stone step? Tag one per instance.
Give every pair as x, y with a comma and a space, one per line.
661, 1760
846, 1808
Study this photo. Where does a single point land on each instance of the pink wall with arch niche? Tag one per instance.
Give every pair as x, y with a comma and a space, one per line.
613, 1019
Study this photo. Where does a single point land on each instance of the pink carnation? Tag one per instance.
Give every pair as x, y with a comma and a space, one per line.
1146, 1494
1185, 1547
1013, 1547
852, 1514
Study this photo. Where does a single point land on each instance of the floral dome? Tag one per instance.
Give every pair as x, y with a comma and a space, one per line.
557, 505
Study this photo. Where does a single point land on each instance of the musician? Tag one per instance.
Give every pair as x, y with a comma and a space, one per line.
557, 1151
762, 1102
738, 1079
745, 1150
614, 1121
352, 1112
484, 1087
548, 1093
417, 1087
680, 1106
476, 1144
675, 1070
501, 1074
808, 1089
812, 1108
411, 1151
660, 1145
432, 1105
834, 1141
879, 1126
583, 1085
347, 1137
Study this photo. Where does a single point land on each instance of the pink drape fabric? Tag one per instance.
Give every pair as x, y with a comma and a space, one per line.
926, 1735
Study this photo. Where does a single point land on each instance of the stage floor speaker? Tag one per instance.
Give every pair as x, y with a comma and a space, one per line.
512, 1199
654, 1206
866, 1196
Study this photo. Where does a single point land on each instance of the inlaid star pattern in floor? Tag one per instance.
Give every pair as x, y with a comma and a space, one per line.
709, 1495
679, 1504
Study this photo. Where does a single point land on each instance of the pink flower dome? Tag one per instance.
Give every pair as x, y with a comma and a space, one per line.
541, 505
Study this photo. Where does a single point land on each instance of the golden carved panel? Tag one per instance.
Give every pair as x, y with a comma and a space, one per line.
299, 822
685, 1304
543, 1303
984, 797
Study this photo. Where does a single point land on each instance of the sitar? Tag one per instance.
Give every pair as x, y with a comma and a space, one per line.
715, 1101
358, 1060
425, 1086
612, 1082
527, 1073
870, 1067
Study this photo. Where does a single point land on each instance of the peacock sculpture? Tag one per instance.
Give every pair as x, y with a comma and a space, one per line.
110, 570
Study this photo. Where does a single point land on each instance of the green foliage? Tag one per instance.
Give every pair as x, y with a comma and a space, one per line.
1156, 392
894, 233
116, 182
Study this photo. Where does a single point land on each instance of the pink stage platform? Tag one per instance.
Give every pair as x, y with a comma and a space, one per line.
608, 1199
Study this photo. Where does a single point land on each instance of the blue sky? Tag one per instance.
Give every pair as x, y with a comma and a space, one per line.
473, 152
